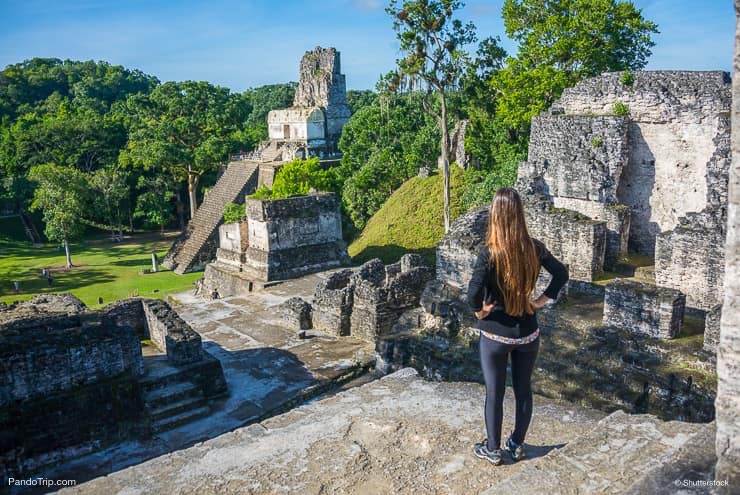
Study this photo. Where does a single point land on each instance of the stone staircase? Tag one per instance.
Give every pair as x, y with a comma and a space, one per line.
623, 453
197, 245
171, 399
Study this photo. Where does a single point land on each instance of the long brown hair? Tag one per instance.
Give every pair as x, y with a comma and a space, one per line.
513, 253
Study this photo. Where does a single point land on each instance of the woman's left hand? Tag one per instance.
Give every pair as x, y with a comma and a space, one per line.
485, 310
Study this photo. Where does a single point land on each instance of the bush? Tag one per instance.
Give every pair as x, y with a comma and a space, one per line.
263, 192
628, 78
299, 177
596, 142
621, 109
234, 213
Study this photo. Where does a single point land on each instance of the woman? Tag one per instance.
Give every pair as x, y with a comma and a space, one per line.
500, 293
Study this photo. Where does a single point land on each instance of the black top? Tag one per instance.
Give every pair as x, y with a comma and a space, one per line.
483, 284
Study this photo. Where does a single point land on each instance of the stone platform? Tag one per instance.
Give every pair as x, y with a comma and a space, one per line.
395, 435
268, 370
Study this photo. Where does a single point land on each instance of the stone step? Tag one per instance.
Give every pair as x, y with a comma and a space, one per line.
171, 422
177, 408
208, 216
164, 395
608, 459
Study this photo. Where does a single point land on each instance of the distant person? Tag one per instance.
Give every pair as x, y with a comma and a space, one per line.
44, 273
50, 279
17, 287
504, 277
214, 294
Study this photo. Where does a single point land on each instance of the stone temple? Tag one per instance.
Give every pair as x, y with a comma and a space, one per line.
310, 128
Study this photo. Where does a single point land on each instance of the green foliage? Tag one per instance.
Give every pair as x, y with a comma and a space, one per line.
620, 109
234, 213
479, 186
262, 192
383, 145
296, 178
299, 177
153, 203
357, 99
561, 42
60, 194
596, 142
627, 78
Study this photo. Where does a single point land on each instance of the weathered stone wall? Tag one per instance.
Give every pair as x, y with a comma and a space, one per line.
728, 354
677, 134
573, 238
53, 354
332, 303
644, 308
691, 258
128, 313
294, 236
171, 334
579, 156
323, 85
457, 250
233, 236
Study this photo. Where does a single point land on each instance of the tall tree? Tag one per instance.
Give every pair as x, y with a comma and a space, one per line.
184, 129
561, 42
61, 196
433, 44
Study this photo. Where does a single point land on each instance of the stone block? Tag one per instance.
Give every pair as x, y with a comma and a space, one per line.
691, 258
332, 303
171, 334
644, 308
296, 313
575, 239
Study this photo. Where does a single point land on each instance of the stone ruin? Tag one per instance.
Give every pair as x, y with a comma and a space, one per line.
652, 182
74, 381
311, 127
280, 239
368, 301
607, 194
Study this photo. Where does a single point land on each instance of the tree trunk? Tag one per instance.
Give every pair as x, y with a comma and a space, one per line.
67, 254
444, 161
193, 179
180, 207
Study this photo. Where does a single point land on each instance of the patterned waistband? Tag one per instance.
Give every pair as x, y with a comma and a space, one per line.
507, 340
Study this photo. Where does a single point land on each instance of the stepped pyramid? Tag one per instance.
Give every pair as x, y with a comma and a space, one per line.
197, 245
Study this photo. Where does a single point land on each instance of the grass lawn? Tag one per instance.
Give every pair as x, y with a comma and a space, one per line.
411, 221
102, 268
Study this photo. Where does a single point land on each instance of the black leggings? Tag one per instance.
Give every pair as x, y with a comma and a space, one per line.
493, 359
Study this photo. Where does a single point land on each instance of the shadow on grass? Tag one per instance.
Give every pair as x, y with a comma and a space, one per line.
63, 282
390, 253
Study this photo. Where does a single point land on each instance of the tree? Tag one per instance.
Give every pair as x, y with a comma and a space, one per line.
433, 43
153, 202
184, 130
60, 195
561, 42
111, 189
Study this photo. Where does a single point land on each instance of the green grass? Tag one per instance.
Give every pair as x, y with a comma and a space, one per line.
412, 220
102, 268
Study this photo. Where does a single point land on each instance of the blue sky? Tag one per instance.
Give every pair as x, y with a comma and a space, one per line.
248, 43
